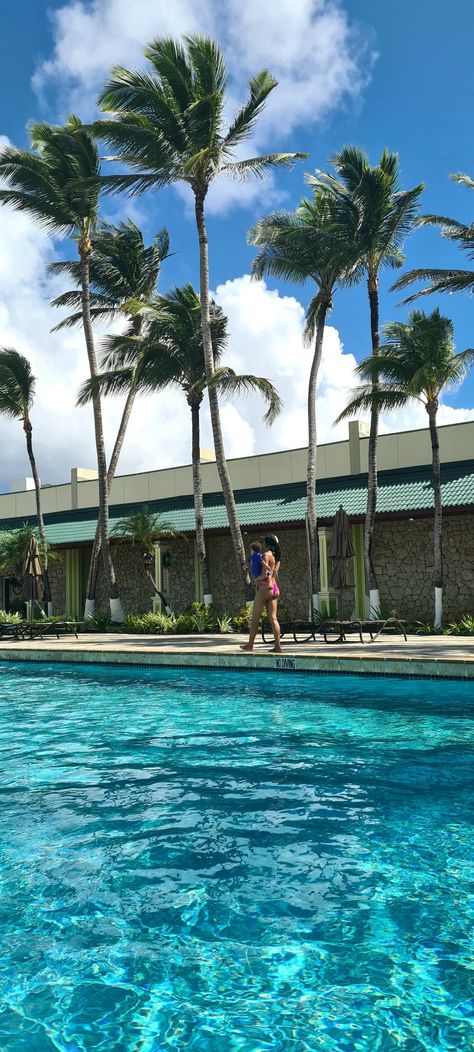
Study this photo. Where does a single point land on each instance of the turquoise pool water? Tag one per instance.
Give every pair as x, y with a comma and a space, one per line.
239, 861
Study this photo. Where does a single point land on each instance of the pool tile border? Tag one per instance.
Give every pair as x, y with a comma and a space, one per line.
407, 667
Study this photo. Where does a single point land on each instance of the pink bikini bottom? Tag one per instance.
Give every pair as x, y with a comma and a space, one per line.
274, 588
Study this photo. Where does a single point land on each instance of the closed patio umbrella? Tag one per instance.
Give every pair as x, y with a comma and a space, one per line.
341, 552
32, 589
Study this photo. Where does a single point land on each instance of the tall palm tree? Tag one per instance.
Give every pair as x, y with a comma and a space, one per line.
417, 361
447, 280
170, 353
169, 126
298, 246
375, 217
122, 269
17, 391
58, 183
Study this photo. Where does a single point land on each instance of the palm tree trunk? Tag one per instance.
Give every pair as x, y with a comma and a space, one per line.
116, 609
27, 427
432, 409
374, 594
311, 512
221, 462
96, 546
199, 504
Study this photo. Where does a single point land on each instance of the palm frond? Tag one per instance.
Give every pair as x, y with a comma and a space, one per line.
230, 383
260, 87
258, 166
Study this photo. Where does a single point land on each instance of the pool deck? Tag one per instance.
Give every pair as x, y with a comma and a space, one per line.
444, 656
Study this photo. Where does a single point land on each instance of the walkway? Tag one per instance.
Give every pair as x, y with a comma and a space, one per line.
421, 656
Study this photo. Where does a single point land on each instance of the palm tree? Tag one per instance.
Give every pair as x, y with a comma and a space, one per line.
169, 126
374, 218
17, 391
297, 246
170, 353
145, 527
450, 280
417, 361
57, 183
122, 269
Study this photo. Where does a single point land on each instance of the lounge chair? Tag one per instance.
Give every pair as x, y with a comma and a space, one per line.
39, 629
308, 629
340, 629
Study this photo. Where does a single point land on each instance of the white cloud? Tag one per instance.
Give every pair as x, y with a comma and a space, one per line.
320, 58
266, 339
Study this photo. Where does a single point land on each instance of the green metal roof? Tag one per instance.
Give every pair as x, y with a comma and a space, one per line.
400, 492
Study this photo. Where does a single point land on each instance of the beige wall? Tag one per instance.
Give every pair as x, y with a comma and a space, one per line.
400, 450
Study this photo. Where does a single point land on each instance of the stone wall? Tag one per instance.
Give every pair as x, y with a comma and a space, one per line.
182, 590
403, 560
226, 585
57, 581
135, 588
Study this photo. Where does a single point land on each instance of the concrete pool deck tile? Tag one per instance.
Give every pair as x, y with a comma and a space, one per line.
444, 656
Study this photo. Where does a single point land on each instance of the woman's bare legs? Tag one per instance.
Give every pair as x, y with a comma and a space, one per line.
259, 603
272, 605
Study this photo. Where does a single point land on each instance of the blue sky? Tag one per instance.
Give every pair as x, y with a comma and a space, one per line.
408, 75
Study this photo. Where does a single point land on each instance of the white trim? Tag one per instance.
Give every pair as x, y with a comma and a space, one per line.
116, 611
207, 598
314, 604
89, 609
374, 602
438, 607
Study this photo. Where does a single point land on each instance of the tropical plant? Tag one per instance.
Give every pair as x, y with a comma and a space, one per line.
13, 546
17, 391
122, 269
374, 218
169, 127
224, 624
145, 527
463, 627
298, 246
58, 183
150, 624
417, 361
450, 279
8, 617
170, 353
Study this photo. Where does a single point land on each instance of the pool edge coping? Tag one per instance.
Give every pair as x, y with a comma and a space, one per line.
373, 665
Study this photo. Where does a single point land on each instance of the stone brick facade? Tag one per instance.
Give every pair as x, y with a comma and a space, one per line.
403, 559
57, 580
226, 585
135, 588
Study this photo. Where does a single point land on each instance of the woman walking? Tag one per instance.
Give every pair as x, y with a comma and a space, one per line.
267, 593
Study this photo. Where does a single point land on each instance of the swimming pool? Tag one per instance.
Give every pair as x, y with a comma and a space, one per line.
199, 860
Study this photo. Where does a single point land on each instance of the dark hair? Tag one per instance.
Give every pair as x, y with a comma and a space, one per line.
255, 546
272, 543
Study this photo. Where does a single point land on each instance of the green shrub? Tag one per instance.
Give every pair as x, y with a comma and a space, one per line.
424, 628
185, 624
241, 621
463, 627
98, 623
150, 624
225, 624
205, 617
8, 618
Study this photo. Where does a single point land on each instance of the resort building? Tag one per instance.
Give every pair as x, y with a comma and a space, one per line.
271, 497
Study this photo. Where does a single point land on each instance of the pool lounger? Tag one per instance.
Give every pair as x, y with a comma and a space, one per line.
21, 630
341, 629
